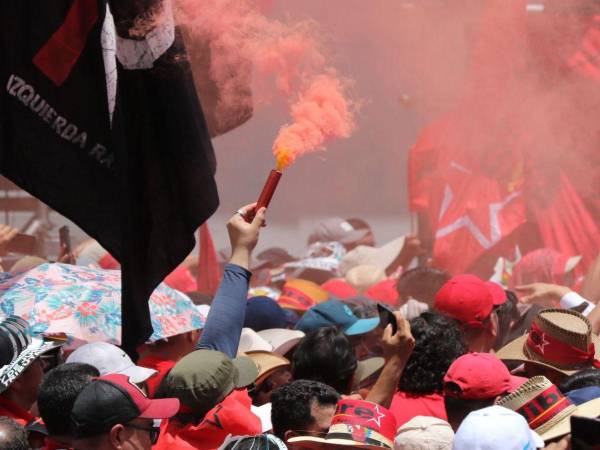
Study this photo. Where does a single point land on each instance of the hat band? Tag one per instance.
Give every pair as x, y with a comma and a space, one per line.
295, 297
358, 433
544, 407
547, 348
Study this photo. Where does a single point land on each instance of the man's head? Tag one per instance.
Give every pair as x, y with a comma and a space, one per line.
508, 315
12, 435
302, 407
112, 412
24, 389
325, 355
421, 283
203, 378
58, 392
471, 301
21, 370
475, 381
438, 342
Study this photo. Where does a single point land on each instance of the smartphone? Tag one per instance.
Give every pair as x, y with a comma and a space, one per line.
22, 243
585, 433
386, 316
64, 237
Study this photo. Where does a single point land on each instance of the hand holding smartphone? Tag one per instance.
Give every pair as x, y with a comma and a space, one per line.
386, 316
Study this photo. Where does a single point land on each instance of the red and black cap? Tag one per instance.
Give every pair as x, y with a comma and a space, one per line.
113, 399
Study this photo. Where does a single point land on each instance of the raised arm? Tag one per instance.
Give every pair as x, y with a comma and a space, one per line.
397, 348
226, 317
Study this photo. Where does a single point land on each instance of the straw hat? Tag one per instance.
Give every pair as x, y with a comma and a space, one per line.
364, 276
546, 409
281, 339
558, 339
380, 257
250, 341
267, 363
356, 424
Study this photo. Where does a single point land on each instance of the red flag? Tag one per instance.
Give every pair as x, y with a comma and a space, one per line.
209, 272
422, 163
566, 225
586, 60
473, 215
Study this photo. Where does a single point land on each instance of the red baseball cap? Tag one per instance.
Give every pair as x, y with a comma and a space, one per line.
479, 376
467, 299
498, 294
112, 399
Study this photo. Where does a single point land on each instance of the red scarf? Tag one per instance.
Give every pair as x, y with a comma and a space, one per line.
555, 351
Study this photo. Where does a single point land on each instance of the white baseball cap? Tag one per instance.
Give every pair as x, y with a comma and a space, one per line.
109, 359
424, 433
496, 428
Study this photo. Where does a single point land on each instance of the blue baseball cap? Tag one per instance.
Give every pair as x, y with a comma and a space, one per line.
263, 313
338, 314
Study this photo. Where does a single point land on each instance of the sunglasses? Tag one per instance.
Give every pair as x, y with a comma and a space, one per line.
153, 432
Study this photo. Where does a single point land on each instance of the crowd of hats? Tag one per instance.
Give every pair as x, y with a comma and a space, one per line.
508, 399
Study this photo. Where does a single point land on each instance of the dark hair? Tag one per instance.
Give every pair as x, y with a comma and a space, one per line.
58, 391
325, 355
581, 379
422, 283
457, 408
438, 342
291, 404
15, 437
507, 313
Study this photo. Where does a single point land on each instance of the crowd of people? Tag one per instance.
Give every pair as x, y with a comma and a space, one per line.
349, 346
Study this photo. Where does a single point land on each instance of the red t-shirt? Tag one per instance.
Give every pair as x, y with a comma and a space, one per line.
8, 408
231, 416
406, 406
162, 366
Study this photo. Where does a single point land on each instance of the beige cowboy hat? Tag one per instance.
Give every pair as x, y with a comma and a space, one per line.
550, 331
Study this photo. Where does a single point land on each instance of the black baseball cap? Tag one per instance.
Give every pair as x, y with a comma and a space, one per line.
113, 399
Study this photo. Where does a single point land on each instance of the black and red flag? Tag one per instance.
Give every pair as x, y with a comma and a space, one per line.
105, 127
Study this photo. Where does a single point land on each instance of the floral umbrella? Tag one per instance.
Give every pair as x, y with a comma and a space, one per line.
85, 303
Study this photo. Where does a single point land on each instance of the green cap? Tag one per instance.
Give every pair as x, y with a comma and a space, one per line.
203, 378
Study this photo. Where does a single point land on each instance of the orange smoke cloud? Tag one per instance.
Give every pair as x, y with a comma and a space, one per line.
284, 60
321, 113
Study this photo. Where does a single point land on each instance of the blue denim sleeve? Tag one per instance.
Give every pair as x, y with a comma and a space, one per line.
227, 312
